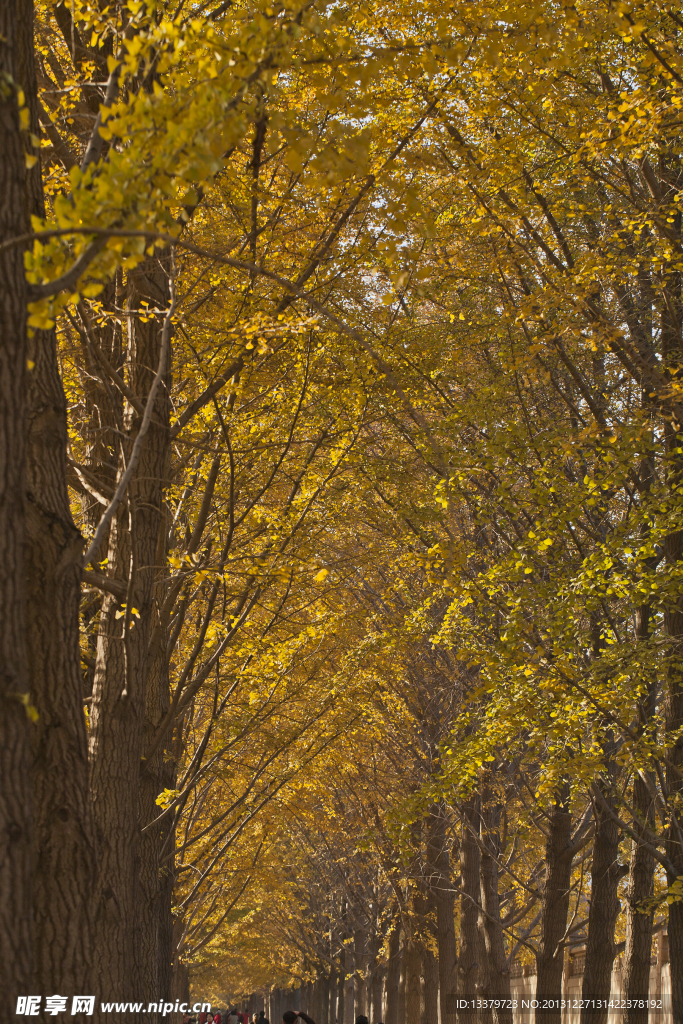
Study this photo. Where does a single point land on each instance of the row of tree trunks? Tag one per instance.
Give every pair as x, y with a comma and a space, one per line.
97, 914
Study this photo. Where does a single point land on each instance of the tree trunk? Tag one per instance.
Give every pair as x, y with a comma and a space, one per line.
330, 1000
324, 1000
121, 676
377, 986
498, 970
16, 812
442, 900
673, 711
636, 970
157, 843
430, 973
393, 974
426, 938
401, 1012
602, 916
413, 993
555, 906
65, 858
360, 975
468, 964
348, 985
341, 990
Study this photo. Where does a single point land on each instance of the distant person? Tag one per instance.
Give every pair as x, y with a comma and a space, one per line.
362, 1019
262, 1019
218, 1019
233, 1017
289, 1016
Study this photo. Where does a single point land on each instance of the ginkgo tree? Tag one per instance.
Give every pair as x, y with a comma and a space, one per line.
349, 396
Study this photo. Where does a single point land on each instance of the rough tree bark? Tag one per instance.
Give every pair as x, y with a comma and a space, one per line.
349, 968
442, 900
673, 711
636, 976
555, 905
16, 824
498, 970
672, 357
606, 873
402, 985
360, 974
157, 843
639, 917
65, 857
127, 905
468, 964
425, 936
341, 989
413, 966
324, 1000
377, 986
393, 974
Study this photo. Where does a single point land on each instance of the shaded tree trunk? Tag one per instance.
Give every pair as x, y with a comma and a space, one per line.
498, 970
672, 357
673, 711
393, 974
331, 1002
324, 1000
377, 986
360, 975
157, 843
602, 915
341, 991
413, 988
555, 905
639, 917
348, 985
426, 938
430, 974
468, 964
120, 695
402, 986
65, 859
16, 810
442, 900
